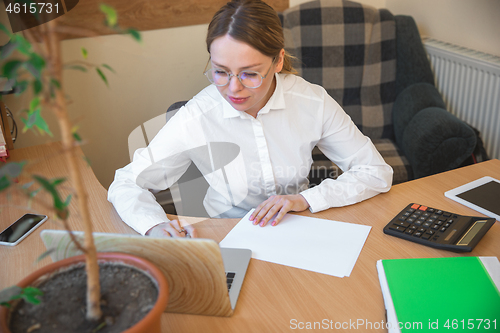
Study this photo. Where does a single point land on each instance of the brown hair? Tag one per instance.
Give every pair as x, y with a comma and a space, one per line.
253, 22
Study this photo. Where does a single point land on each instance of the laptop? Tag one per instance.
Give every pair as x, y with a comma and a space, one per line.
195, 268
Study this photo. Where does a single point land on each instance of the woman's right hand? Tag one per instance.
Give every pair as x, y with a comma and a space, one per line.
172, 228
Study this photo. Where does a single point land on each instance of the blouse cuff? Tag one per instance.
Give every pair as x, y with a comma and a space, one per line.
146, 223
315, 199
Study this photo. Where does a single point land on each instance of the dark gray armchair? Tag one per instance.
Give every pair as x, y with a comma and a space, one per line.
376, 68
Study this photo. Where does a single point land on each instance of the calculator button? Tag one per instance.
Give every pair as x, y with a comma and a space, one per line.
422, 230
446, 214
450, 221
439, 212
414, 216
397, 227
443, 229
447, 225
435, 227
410, 220
402, 218
435, 216
414, 227
417, 234
403, 224
439, 222
431, 210
431, 220
409, 231
426, 214
431, 232
427, 224
422, 218
426, 236
415, 206
418, 222
423, 208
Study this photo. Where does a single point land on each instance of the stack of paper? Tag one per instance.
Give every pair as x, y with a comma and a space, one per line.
318, 245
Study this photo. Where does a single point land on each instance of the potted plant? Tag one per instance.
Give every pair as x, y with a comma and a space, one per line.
40, 67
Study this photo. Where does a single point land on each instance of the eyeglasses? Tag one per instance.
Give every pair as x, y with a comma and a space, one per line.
249, 79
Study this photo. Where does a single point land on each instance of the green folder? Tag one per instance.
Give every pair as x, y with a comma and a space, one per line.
443, 295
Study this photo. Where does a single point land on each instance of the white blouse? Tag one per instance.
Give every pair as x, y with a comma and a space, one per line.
245, 160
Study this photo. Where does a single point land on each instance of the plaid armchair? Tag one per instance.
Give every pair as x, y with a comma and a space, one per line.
375, 66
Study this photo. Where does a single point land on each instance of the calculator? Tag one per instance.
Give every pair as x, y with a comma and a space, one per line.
438, 228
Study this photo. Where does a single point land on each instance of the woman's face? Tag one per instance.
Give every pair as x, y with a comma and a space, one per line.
234, 56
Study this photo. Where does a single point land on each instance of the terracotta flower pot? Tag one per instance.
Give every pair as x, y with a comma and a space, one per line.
151, 323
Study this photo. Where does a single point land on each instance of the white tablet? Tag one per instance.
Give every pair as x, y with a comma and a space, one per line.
482, 195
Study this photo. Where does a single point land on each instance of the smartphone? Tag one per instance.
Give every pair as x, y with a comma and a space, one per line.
18, 230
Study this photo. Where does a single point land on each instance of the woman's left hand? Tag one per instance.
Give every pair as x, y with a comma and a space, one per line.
280, 204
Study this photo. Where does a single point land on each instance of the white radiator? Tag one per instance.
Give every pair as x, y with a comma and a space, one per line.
469, 82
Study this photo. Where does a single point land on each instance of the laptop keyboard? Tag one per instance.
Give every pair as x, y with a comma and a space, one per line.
229, 279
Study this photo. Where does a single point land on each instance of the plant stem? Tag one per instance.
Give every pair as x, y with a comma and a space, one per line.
54, 64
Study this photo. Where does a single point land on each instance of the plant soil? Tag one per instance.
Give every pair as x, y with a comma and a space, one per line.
127, 295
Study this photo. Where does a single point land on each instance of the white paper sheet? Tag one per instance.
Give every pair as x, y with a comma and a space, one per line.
313, 244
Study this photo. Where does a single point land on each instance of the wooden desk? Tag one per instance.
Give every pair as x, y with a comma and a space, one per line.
274, 295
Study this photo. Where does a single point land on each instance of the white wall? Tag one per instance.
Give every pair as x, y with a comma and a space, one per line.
168, 67
469, 23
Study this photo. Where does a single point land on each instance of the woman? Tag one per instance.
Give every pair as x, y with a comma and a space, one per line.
272, 117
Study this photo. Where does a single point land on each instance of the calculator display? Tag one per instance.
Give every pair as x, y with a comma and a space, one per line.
471, 233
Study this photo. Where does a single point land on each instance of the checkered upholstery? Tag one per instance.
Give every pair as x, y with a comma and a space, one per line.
323, 168
350, 50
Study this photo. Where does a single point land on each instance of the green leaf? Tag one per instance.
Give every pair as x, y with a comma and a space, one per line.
10, 68
78, 67
35, 65
58, 181
135, 34
32, 291
7, 293
8, 48
35, 119
86, 159
103, 77
5, 30
49, 187
23, 45
45, 254
77, 137
109, 68
55, 83
110, 13
4, 183
35, 102
21, 87
85, 54
68, 200
29, 294
12, 169
37, 87
31, 299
